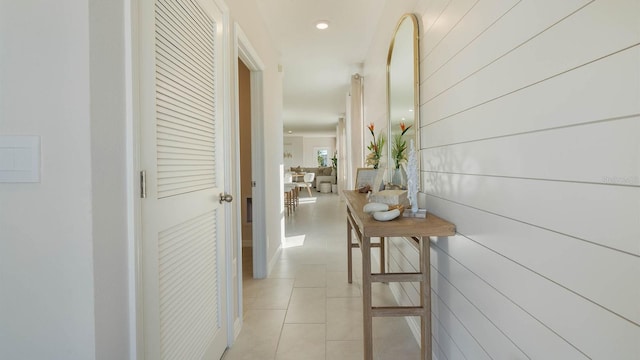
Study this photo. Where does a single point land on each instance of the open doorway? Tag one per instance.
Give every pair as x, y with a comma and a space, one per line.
246, 197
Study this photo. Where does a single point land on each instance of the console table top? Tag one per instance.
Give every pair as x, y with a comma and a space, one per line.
399, 227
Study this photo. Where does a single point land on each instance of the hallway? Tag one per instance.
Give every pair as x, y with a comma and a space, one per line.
306, 309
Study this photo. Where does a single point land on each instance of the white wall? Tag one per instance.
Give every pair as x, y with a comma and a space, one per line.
310, 144
109, 158
63, 241
46, 248
296, 145
303, 150
530, 119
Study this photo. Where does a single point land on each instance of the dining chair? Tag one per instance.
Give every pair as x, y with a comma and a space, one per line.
307, 182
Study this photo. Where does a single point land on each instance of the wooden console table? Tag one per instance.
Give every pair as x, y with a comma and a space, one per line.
365, 228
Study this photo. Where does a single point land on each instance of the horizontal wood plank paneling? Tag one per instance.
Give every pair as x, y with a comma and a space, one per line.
445, 341
448, 19
600, 214
599, 275
450, 304
583, 95
589, 157
581, 323
532, 336
523, 22
480, 17
429, 12
530, 115
604, 31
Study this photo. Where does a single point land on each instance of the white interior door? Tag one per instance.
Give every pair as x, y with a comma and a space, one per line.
183, 225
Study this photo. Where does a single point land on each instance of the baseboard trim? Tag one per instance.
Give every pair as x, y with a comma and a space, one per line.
274, 259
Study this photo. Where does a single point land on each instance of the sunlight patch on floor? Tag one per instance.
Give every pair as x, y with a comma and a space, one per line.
293, 241
307, 200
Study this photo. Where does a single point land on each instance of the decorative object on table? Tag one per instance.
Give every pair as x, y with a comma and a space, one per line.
383, 212
378, 181
375, 147
398, 178
371, 177
412, 177
386, 215
390, 197
397, 206
374, 206
364, 189
390, 186
421, 213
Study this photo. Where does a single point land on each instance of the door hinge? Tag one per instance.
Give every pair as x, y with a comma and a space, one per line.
143, 184
253, 184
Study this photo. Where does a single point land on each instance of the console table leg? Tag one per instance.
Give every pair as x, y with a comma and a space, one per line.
366, 299
383, 261
425, 298
349, 254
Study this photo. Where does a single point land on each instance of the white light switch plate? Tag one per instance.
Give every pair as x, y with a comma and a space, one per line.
19, 159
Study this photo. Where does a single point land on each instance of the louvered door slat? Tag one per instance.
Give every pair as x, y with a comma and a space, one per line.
186, 290
184, 85
173, 90
169, 118
188, 15
186, 162
180, 52
176, 147
172, 131
175, 114
183, 106
177, 34
166, 133
186, 154
172, 66
172, 169
179, 56
178, 180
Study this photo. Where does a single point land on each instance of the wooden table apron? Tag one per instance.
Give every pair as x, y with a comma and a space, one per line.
365, 228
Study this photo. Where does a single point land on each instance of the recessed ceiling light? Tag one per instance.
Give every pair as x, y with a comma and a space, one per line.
322, 24
290, 132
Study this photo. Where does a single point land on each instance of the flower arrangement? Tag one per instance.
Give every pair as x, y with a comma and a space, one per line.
375, 147
400, 146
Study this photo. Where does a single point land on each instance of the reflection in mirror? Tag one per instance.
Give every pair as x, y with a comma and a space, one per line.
402, 97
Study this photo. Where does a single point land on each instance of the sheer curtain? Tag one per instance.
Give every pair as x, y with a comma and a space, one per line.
354, 130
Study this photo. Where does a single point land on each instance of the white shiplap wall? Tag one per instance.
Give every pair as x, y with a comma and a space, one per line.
530, 144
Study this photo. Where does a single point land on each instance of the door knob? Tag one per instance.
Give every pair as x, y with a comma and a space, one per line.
225, 197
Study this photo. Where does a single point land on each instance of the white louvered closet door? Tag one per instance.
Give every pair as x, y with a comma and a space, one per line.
183, 254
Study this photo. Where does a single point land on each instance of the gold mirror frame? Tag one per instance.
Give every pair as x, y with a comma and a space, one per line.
403, 85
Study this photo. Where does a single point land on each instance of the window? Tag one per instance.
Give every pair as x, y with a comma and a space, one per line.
322, 156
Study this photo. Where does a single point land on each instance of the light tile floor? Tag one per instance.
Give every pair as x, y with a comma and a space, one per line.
306, 309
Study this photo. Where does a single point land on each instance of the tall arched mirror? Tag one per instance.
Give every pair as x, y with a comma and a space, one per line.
402, 97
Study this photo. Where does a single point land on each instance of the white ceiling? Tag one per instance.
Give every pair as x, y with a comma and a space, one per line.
318, 64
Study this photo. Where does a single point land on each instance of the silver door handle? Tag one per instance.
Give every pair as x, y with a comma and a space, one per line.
225, 197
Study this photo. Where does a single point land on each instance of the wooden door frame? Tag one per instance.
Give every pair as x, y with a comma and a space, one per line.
243, 50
